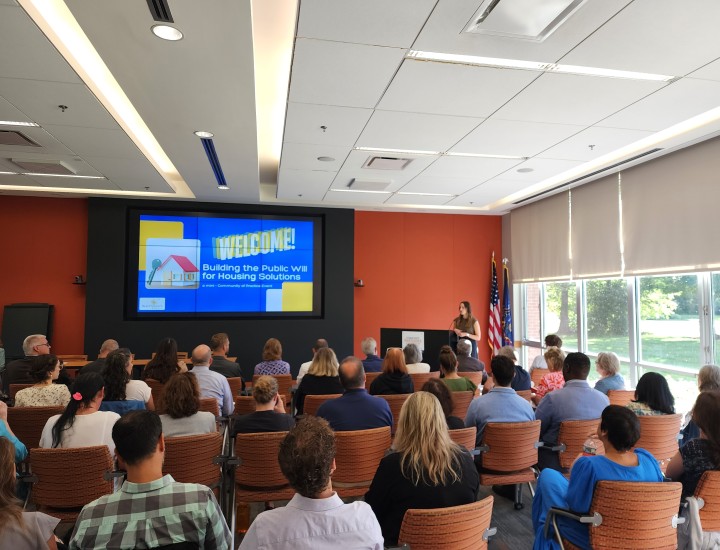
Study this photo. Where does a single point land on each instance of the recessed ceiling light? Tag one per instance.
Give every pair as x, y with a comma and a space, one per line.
223, 187
166, 32
16, 123
326, 159
203, 134
525, 170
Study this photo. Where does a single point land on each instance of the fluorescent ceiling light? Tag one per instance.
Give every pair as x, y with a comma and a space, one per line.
203, 134
361, 191
166, 32
501, 63
8, 173
16, 123
400, 151
37, 174
484, 156
223, 187
426, 194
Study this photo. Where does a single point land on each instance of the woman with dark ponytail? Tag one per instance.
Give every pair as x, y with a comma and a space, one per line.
82, 424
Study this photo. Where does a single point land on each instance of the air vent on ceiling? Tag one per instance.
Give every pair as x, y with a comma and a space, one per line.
44, 167
386, 163
591, 174
525, 19
12, 137
160, 11
363, 185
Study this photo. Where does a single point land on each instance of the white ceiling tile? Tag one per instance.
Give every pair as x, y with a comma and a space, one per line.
9, 112
378, 22
574, 99
654, 36
303, 184
304, 122
48, 144
130, 176
304, 156
541, 170
488, 193
335, 73
74, 183
674, 103
96, 142
514, 137
602, 140
417, 200
452, 89
711, 71
355, 198
479, 169
415, 131
40, 101
23, 181
432, 184
353, 169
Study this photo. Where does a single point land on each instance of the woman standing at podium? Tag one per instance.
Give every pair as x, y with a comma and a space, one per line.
467, 327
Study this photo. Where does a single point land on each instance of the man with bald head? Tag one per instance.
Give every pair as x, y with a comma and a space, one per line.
212, 384
356, 409
98, 365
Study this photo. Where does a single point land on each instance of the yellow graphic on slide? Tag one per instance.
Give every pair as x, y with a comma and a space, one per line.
157, 230
297, 297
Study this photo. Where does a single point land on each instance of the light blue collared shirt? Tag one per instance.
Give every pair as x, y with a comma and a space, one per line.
213, 384
498, 405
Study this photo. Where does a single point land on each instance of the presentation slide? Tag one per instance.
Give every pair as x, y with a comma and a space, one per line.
213, 263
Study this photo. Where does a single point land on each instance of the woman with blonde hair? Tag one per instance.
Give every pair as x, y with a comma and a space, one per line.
427, 469
269, 415
272, 362
708, 379
394, 378
322, 378
608, 367
554, 379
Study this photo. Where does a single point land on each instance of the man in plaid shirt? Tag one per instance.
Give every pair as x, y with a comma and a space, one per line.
150, 509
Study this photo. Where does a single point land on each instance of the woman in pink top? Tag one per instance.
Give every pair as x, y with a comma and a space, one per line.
554, 379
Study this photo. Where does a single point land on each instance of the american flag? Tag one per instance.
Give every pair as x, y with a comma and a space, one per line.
494, 332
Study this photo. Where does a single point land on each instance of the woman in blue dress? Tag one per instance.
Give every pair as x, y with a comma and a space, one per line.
619, 430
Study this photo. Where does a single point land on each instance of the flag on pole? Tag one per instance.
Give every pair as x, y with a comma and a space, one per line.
507, 322
494, 340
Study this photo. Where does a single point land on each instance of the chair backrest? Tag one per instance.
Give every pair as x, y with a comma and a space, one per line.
73, 357
235, 383
70, 478
369, 377
313, 402
475, 377
658, 436
122, 407
156, 388
461, 403
396, 402
358, 455
189, 459
512, 445
454, 528
621, 397
28, 422
537, 374
708, 488
244, 404
525, 394
419, 378
573, 434
464, 436
259, 454
14, 388
209, 404
651, 507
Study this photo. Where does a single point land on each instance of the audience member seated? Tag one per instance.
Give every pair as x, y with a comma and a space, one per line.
82, 424
212, 384
272, 362
521, 381
708, 379
181, 408
5, 432
98, 365
554, 379
652, 396
356, 409
44, 370
608, 367
371, 363
619, 431
18, 371
315, 517
703, 453
448, 368
551, 340
321, 379
444, 395
501, 403
20, 530
427, 469
119, 385
269, 415
394, 378
467, 363
151, 509
305, 367
576, 401
165, 363
413, 358
220, 346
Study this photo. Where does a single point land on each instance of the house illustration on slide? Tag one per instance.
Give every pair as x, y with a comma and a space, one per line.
177, 271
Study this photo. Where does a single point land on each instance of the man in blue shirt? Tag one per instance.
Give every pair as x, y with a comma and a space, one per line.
500, 404
356, 409
371, 363
576, 401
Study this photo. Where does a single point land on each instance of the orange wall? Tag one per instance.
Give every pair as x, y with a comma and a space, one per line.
44, 245
418, 267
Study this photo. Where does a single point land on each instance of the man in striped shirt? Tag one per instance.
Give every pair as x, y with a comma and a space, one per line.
150, 509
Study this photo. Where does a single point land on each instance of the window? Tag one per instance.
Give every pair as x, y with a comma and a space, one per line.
606, 309
560, 313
